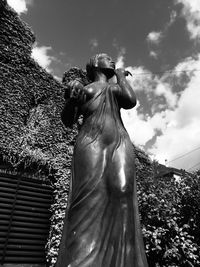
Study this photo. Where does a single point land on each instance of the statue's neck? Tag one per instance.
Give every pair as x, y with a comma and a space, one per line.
101, 77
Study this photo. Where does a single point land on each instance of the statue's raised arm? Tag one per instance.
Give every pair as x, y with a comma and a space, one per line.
127, 97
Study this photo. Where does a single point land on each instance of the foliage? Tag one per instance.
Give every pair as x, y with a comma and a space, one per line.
170, 215
62, 183
32, 136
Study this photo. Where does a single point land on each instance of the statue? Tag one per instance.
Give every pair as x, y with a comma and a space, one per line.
101, 227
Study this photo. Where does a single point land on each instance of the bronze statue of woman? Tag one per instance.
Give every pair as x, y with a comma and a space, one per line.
101, 227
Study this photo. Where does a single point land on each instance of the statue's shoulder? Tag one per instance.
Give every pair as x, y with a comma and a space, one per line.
94, 88
90, 89
89, 85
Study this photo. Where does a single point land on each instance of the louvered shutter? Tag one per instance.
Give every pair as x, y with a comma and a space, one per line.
24, 219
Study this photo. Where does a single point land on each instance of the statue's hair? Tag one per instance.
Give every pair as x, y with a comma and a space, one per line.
92, 65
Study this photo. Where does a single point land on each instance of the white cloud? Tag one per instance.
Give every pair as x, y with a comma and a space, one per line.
181, 129
153, 54
93, 43
190, 65
191, 13
120, 57
173, 16
140, 130
41, 55
164, 89
154, 37
178, 141
143, 80
20, 6
120, 62
178, 121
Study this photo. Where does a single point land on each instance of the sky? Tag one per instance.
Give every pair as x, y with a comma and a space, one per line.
158, 41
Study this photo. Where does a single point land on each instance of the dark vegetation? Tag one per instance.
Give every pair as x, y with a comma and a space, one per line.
170, 215
32, 136
33, 139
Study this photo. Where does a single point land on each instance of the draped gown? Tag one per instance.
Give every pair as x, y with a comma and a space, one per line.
101, 227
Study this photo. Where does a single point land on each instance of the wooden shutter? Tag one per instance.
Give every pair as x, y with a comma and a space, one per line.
24, 219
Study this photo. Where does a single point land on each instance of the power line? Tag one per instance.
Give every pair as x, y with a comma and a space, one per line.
136, 74
162, 72
193, 166
183, 155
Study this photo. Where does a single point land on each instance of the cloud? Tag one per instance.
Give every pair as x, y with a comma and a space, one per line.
120, 57
51, 60
191, 13
137, 125
181, 126
93, 43
191, 65
153, 54
138, 80
133, 121
20, 6
152, 85
176, 141
154, 37
173, 16
141, 79
176, 117
41, 55
140, 130
121, 52
164, 89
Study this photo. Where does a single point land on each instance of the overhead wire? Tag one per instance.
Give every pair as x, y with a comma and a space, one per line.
183, 155
162, 72
194, 166
138, 74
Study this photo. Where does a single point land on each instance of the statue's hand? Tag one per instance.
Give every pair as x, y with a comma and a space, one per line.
76, 92
123, 72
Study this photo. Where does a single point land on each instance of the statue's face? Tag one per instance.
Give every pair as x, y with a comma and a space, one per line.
106, 62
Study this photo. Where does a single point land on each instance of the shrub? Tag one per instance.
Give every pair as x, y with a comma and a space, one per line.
170, 215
